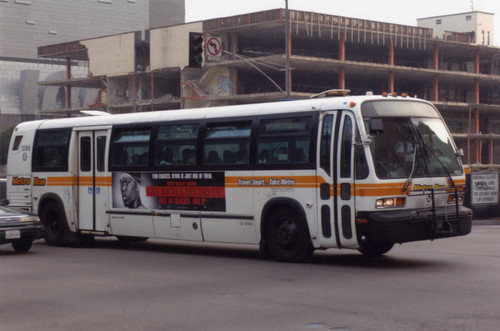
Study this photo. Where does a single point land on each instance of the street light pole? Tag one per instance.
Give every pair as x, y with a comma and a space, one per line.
287, 51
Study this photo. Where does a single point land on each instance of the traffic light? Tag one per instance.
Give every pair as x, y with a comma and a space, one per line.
195, 49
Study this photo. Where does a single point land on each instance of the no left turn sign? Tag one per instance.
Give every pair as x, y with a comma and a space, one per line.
214, 49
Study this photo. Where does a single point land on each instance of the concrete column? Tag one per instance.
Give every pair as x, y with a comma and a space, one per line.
435, 89
391, 53
341, 78
289, 72
436, 58
491, 151
477, 158
234, 44
391, 82
234, 50
476, 60
342, 48
68, 77
236, 81
288, 48
341, 56
134, 94
476, 91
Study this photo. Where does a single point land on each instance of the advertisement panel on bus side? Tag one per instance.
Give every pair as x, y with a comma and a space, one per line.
170, 190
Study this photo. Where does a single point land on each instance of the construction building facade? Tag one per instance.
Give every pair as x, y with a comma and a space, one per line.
245, 62
27, 24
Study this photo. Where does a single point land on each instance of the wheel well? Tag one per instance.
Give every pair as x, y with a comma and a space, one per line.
48, 199
274, 204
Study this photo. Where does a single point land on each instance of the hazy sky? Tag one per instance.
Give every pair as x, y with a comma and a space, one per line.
392, 11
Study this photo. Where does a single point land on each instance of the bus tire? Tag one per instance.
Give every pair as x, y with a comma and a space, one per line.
375, 249
23, 245
54, 224
287, 236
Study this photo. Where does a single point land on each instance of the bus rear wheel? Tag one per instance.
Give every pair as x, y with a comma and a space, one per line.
287, 236
375, 249
54, 224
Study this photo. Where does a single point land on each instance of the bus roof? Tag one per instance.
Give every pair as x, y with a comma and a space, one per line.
206, 113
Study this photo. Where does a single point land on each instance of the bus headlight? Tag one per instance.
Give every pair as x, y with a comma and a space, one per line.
452, 198
390, 202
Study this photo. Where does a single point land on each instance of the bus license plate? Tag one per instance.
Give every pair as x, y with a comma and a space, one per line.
12, 234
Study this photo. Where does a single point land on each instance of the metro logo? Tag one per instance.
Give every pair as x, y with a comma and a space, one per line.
39, 181
21, 181
419, 187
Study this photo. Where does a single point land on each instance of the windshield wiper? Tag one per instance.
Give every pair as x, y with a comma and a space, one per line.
410, 177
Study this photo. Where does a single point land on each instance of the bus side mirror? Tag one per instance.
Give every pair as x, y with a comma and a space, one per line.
376, 126
460, 152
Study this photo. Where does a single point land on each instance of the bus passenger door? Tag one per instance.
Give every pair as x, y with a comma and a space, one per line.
93, 180
325, 178
345, 186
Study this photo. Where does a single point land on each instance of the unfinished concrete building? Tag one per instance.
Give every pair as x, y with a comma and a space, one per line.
245, 62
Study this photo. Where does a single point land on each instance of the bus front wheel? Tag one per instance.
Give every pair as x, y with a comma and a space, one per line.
287, 236
375, 249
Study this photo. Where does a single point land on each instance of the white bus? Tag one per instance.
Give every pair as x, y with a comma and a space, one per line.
359, 172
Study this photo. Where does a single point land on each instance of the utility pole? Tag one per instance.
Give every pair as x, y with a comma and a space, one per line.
287, 51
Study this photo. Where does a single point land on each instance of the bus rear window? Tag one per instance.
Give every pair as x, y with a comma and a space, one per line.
17, 143
51, 150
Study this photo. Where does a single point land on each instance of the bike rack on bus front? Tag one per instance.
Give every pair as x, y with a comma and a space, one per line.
432, 192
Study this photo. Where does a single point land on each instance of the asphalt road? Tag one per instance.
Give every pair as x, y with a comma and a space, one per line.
448, 284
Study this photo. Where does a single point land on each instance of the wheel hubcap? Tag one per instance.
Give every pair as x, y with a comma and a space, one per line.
54, 224
286, 234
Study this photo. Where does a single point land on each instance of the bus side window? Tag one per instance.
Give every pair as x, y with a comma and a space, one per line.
360, 163
284, 140
325, 148
176, 145
346, 149
227, 143
50, 152
85, 154
130, 147
101, 152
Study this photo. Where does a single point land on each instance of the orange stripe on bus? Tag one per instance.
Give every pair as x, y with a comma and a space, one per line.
78, 181
359, 189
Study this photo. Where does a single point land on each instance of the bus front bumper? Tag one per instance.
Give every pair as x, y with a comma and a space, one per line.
399, 226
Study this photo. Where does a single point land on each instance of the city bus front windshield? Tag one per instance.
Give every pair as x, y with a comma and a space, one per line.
405, 147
